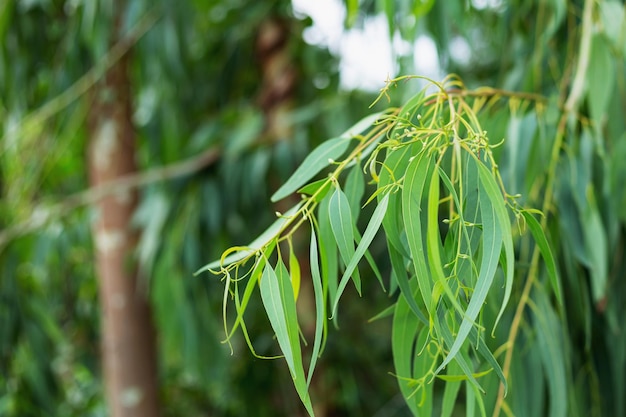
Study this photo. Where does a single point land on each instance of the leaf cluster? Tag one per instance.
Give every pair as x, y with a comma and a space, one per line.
440, 200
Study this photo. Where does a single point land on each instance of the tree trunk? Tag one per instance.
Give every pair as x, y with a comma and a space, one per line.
128, 338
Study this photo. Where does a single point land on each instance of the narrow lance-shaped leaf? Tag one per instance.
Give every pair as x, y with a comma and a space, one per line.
368, 236
317, 160
342, 226
461, 357
553, 354
496, 199
491, 247
546, 253
320, 317
397, 262
370, 260
278, 300
394, 165
435, 260
328, 251
293, 329
451, 389
412, 192
270, 294
321, 156
404, 331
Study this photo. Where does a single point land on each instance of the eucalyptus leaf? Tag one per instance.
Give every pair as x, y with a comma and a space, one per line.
318, 159
368, 236
342, 225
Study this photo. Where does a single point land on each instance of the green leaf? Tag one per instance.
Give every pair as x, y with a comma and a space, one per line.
412, 192
491, 247
546, 253
260, 242
553, 353
451, 390
397, 262
328, 250
600, 78
595, 246
493, 193
385, 313
433, 241
321, 156
342, 225
278, 301
318, 159
317, 189
255, 275
320, 316
370, 260
361, 125
396, 163
461, 356
368, 236
404, 330
271, 296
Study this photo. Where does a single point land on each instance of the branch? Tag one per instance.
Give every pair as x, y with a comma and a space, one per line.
43, 214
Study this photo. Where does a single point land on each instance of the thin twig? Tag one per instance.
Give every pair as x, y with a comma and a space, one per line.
91, 77
43, 214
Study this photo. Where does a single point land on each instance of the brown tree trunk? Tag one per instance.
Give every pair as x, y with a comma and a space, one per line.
128, 339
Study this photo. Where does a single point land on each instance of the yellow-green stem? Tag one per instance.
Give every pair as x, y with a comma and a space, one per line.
570, 108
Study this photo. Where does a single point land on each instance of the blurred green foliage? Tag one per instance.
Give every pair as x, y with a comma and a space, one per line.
196, 82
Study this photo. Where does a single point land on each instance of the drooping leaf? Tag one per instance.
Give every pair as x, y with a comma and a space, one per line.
328, 251
342, 225
404, 330
412, 192
433, 240
496, 199
320, 315
546, 253
595, 245
397, 263
491, 247
395, 164
279, 303
553, 354
600, 78
271, 296
368, 236
451, 390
